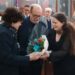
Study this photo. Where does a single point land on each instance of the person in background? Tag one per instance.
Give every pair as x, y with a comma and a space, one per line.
61, 46
73, 14
72, 21
10, 59
1, 18
24, 34
48, 13
26, 10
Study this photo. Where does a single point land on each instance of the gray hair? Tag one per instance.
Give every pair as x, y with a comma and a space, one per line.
35, 6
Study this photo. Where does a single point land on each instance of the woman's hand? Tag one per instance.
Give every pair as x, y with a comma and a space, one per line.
34, 56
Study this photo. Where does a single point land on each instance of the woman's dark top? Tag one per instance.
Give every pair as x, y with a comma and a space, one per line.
63, 62
10, 59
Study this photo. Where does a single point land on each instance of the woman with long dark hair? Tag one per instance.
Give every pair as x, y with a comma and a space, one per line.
62, 45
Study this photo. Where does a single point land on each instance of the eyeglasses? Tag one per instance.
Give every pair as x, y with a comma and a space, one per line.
35, 15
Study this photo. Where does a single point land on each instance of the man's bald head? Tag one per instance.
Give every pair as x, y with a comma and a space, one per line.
35, 6
35, 12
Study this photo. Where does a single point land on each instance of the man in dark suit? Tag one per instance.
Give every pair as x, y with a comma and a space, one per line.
10, 59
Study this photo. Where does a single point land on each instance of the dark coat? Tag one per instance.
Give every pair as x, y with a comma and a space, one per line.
63, 61
10, 60
25, 33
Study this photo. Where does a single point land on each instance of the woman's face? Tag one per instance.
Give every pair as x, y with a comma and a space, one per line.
57, 25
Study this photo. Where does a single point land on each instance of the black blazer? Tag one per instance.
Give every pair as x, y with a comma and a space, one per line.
10, 60
63, 61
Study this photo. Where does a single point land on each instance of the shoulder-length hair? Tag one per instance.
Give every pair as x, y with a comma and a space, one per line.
12, 15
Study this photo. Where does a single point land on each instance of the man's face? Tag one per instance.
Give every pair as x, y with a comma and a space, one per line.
26, 11
35, 15
48, 13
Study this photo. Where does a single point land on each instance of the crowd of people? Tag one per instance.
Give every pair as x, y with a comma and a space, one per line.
21, 26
